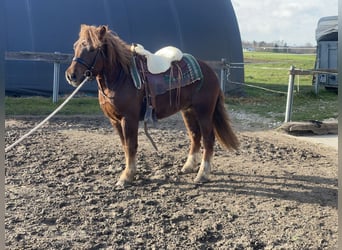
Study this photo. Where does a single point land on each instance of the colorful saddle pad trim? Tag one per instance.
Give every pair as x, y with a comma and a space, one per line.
182, 73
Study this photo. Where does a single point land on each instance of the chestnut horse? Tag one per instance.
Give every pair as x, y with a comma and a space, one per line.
102, 54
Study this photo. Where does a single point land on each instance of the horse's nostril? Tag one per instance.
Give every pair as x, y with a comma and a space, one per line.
71, 77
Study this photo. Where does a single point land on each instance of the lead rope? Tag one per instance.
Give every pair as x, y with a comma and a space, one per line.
49, 117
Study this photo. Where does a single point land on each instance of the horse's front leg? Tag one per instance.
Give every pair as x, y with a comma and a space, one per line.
129, 139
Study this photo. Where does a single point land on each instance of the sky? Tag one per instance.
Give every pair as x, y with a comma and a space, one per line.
291, 21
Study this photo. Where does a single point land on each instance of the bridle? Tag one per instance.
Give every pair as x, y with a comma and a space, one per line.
89, 70
90, 67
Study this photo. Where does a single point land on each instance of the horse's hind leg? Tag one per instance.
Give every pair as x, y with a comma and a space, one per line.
194, 132
207, 131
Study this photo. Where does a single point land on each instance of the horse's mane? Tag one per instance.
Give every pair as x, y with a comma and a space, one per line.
117, 51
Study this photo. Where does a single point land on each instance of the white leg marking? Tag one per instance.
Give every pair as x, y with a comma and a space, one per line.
127, 174
191, 163
203, 172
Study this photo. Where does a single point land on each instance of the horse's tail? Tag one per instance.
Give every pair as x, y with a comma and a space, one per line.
222, 128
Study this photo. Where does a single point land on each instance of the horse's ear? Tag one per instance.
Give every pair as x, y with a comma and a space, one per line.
102, 31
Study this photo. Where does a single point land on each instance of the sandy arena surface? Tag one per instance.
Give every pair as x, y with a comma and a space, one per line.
276, 192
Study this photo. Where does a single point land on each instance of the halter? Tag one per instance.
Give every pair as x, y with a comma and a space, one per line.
90, 68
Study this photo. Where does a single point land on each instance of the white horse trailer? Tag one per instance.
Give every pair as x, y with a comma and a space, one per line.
326, 57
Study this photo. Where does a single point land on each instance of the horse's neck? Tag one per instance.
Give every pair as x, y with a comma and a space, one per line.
110, 78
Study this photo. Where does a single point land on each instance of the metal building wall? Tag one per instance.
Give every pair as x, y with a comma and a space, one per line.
206, 29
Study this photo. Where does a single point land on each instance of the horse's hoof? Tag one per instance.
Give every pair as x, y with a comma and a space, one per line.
201, 179
123, 183
188, 169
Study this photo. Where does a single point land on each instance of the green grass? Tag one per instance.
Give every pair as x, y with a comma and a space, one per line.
44, 106
270, 70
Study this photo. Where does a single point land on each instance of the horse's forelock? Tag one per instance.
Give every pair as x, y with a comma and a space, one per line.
89, 34
117, 51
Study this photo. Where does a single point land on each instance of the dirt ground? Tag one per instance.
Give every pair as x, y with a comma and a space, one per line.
276, 192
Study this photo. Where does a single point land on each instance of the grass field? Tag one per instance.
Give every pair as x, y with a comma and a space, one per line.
270, 70
44, 106
267, 70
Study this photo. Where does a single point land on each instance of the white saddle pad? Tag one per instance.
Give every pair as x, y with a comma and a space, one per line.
160, 61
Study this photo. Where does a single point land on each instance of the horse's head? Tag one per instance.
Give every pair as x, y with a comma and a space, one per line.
96, 50
88, 55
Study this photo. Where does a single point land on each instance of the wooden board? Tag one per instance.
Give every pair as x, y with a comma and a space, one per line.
315, 127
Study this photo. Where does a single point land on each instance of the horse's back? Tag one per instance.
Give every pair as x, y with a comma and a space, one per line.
210, 84
201, 94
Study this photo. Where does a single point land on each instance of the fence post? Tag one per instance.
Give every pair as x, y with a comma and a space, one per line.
56, 70
316, 84
289, 101
223, 75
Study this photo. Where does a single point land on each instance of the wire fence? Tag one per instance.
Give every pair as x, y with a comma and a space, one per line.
228, 66
58, 58
228, 74
292, 72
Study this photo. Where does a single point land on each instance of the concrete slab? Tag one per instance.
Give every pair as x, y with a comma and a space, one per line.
328, 140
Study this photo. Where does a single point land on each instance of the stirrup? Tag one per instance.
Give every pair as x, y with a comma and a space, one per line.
150, 117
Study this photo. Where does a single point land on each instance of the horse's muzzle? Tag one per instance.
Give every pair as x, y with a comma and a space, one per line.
71, 78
